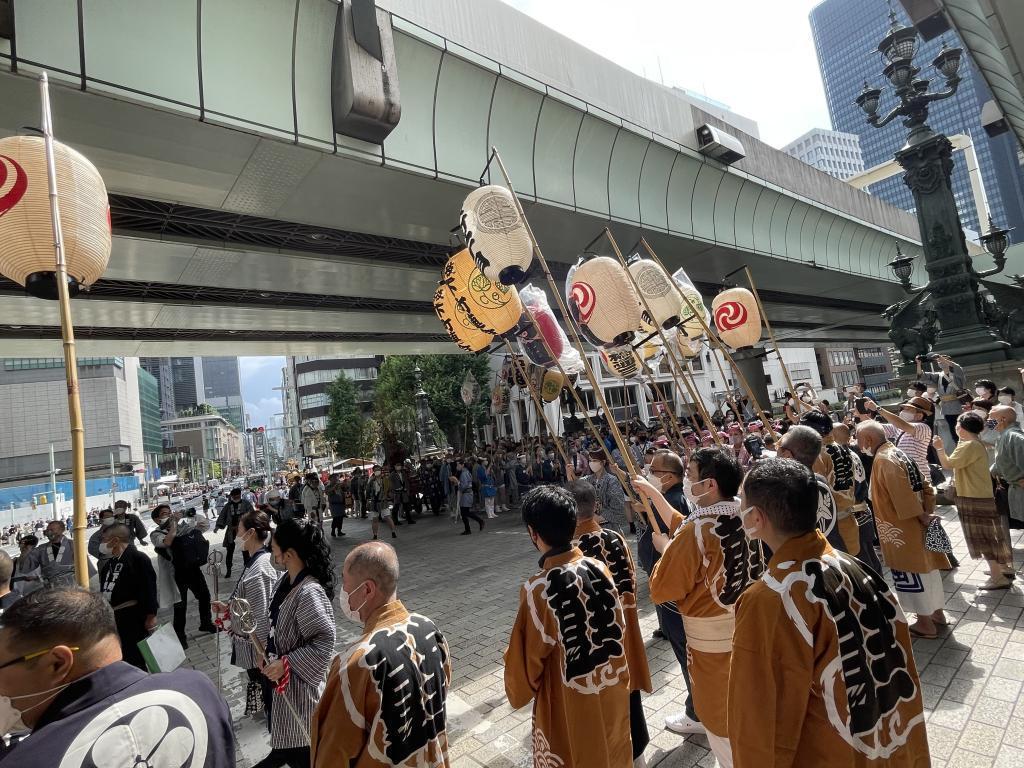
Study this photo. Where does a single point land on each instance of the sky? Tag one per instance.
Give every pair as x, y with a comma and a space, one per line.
757, 56
259, 377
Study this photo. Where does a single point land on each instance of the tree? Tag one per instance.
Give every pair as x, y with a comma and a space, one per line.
351, 433
442, 381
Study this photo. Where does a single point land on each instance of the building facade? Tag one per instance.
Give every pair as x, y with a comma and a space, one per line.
216, 381
160, 369
846, 32
834, 152
311, 377
150, 413
34, 414
208, 439
843, 367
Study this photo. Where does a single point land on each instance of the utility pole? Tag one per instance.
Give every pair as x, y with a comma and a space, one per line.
53, 484
113, 482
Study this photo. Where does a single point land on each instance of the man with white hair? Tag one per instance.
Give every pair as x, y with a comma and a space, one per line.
903, 500
1009, 463
384, 704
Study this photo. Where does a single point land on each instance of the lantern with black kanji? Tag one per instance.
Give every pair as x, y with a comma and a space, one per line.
496, 234
737, 318
457, 323
493, 306
26, 227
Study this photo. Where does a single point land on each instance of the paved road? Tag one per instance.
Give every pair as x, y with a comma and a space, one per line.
971, 678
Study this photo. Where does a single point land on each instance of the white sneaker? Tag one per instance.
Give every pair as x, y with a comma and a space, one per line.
683, 725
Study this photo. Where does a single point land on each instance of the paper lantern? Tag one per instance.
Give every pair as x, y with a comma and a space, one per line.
621, 361
26, 230
688, 346
655, 288
493, 306
551, 386
538, 325
605, 301
736, 317
497, 234
691, 325
457, 323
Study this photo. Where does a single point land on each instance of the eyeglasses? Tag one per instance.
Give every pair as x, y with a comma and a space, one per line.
30, 656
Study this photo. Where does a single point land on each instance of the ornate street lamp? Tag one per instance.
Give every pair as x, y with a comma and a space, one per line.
953, 284
426, 425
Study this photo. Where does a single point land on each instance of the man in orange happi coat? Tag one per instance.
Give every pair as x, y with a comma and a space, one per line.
567, 652
822, 668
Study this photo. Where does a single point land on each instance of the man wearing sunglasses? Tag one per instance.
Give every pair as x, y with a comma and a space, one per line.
63, 681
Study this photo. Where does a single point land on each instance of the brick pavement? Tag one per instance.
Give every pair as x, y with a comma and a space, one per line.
971, 676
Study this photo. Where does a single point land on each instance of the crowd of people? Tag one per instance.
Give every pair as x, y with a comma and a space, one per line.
764, 547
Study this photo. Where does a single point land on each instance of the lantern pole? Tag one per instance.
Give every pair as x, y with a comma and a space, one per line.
539, 405
661, 334
671, 421
613, 428
719, 344
70, 361
771, 335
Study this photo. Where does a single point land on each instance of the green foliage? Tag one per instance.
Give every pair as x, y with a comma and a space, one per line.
352, 434
442, 381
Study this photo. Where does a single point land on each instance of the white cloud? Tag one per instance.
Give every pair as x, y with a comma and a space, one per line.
758, 57
259, 377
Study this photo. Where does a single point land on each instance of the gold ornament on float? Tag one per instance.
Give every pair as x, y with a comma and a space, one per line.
737, 318
492, 306
457, 323
496, 234
604, 300
26, 230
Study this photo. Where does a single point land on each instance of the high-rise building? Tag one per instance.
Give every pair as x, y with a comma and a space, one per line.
312, 375
845, 34
215, 381
150, 413
834, 152
34, 414
160, 369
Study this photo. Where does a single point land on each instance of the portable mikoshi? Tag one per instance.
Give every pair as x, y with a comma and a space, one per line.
493, 306
737, 318
457, 323
655, 287
604, 300
26, 233
496, 234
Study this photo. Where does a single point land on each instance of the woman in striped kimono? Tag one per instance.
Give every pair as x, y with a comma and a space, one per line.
255, 586
300, 643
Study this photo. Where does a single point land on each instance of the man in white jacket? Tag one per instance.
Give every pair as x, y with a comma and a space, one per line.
314, 498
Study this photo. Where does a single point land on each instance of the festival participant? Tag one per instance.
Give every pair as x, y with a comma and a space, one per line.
670, 510
611, 498
841, 437
847, 471
255, 586
910, 430
703, 570
567, 649
27, 576
128, 582
822, 670
805, 445
1009, 462
62, 678
949, 381
987, 538
610, 547
106, 518
367, 717
903, 500
465, 486
300, 642
179, 545
228, 519
123, 514
377, 503
56, 558
7, 597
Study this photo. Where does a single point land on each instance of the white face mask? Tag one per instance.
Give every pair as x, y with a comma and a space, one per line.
981, 392
11, 717
1005, 399
908, 415
345, 604
595, 466
106, 521
913, 393
105, 549
691, 496
751, 532
655, 481
931, 390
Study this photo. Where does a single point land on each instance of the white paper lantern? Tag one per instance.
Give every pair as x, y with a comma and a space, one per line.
691, 325
621, 361
496, 234
736, 317
656, 289
605, 301
26, 231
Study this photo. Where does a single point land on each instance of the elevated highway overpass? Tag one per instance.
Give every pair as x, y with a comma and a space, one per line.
245, 225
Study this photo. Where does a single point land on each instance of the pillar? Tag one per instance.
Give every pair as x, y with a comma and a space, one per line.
751, 364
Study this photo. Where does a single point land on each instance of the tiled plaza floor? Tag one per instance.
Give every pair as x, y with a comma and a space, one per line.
971, 676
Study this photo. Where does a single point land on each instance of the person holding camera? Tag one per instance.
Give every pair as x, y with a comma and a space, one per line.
181, 544
949, 381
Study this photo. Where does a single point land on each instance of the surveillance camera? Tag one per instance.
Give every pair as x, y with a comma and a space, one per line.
716, 143
993, 120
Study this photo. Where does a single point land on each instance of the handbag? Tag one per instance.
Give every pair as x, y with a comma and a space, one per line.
162, 650
935, 538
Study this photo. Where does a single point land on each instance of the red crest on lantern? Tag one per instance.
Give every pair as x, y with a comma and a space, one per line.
737, 318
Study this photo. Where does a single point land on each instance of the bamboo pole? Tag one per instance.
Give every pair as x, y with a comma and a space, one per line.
613, 428
70, 360
709, 425
771, 335
670, 423
538, 404
713, 339
673, 362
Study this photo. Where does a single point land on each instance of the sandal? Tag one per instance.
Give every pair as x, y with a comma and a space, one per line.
994, 585
915, 632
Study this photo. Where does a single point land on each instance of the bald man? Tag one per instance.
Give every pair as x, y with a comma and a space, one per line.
1009, 463
384, 704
